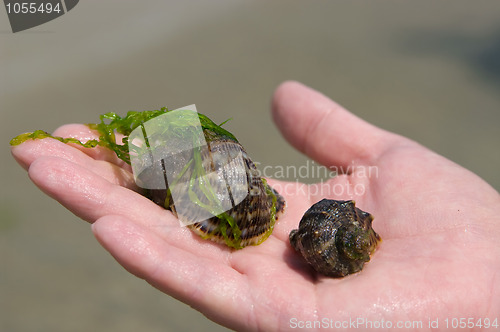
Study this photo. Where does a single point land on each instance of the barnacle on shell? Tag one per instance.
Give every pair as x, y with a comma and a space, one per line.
335, 237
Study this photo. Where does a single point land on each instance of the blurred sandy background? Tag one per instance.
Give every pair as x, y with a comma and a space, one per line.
429, 70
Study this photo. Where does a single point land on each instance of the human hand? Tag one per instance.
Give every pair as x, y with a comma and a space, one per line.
439, 224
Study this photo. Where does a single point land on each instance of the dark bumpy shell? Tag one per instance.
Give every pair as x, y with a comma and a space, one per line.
254, 216
335, 237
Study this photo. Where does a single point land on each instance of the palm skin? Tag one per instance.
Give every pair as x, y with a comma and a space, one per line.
440, 228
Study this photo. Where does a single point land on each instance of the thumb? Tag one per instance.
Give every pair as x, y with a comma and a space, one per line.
324, 130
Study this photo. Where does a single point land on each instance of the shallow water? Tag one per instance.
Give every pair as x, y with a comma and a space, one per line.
428, 70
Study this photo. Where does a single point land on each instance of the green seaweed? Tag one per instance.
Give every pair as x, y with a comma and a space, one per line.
274, 201
40, 134
112, 124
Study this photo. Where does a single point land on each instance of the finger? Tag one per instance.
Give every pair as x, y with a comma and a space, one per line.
325, 131
83, 133
89, 195
212, 287
31, 150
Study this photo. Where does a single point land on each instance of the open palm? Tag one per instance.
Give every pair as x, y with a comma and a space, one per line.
440, 226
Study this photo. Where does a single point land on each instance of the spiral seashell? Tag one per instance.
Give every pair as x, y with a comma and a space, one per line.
224, 166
